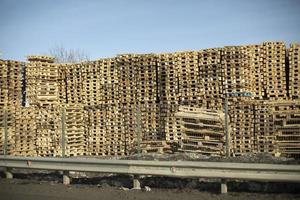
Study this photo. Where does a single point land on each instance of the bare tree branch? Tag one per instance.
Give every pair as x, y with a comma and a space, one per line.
63, 55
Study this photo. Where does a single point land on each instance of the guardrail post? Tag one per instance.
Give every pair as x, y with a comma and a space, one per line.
223, 186
136, 182
8, 173
66, 178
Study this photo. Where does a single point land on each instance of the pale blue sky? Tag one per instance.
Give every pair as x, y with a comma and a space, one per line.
109, 27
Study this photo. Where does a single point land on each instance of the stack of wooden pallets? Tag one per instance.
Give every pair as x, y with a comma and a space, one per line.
62, 84
74, 83
15, 82
109, 82
287, 127
92, 83
170, 124
49, 131
7, 130
11, 83
42, 77
146, 85
242, 127
127, 79
264, 128
115, 137
115, 103
150, 117
167, 78
75, 138
294, 71
256, 54
202, 130
95, 128
25, 131
130, 114
168, 94
275, 70
211, 93
236, 69
147, 96
3, 83
188, 78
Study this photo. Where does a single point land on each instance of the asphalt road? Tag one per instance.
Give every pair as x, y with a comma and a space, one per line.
16, 189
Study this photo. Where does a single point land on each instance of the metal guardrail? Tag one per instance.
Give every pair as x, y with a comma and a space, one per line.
221, 170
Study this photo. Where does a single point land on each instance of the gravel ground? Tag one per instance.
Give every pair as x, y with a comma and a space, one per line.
178, 156
248, 158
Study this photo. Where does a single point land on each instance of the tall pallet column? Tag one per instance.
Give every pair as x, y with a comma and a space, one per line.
66, 174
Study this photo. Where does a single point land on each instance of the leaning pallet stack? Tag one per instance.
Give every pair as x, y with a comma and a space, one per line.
294, 71
210, 79
168, 95
202, 130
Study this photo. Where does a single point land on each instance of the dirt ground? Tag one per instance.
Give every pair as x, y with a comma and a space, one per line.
16, 189
48, 185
